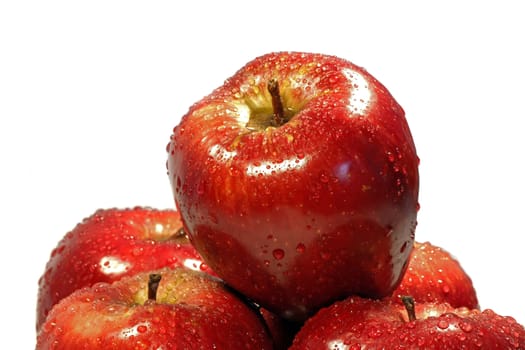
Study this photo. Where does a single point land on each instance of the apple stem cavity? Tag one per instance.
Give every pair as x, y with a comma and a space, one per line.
410, 306
180, 235
277, 104
153, 286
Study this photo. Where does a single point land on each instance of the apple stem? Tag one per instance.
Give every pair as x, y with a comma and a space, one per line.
153, 286
410, 306
277, 104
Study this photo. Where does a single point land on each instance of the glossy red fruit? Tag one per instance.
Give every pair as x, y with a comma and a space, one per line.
297, 181
434, 275
110, 244
358, 323
189, 310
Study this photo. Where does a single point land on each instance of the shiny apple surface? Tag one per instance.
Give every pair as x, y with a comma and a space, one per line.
298, 214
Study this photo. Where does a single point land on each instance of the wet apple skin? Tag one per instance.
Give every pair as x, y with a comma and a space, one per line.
303, 214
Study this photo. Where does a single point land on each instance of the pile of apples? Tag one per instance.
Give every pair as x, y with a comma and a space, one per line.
296, 189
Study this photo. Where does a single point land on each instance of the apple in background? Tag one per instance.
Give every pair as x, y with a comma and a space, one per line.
359, 323
297, 181
434, 275
169, 309
110, 244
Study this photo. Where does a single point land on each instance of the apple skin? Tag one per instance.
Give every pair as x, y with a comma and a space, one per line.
359, 323
434, 275
298, 215
192, 310
110, 244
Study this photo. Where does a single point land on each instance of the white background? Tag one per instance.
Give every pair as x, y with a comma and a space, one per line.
90, 91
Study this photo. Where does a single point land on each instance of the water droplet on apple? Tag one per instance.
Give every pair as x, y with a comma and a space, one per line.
178, 184
58, 250
443, 324
213, 168
137, 251
375, 333
300, 248
465, 327
278, 254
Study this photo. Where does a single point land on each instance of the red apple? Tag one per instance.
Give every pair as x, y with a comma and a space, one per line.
358, 323
186, 310
110, 244
434, 275
297, 181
